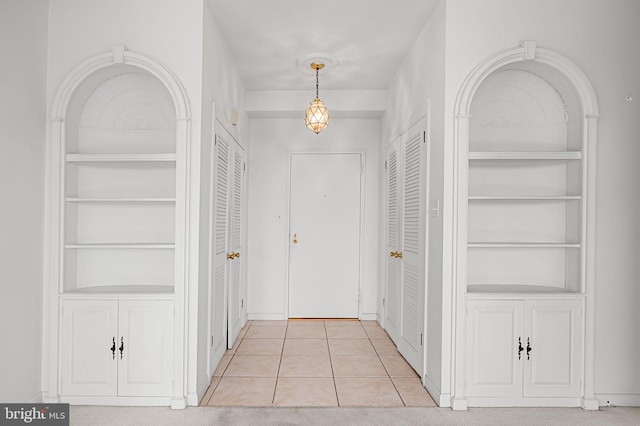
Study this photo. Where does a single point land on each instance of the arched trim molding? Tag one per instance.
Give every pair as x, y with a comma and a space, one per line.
527, 51
119, 55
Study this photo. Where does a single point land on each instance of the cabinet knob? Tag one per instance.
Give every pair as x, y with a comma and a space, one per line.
121, 348
528, 347
113, 348
520, 348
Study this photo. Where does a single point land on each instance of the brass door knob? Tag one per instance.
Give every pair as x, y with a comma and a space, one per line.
399, 255
392, 253
236, 255
230, 256
295, 239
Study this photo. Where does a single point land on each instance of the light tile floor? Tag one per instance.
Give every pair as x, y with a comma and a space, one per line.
315, 363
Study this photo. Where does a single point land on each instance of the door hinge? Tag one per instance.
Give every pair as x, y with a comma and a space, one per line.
383, 302
242, 303
385, 165
211, 341
424, 137
421, 342
244, 167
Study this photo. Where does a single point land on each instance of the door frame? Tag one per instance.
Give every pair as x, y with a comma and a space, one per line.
287, 233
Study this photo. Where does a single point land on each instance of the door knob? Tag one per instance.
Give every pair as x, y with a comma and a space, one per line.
295, 239
236, 255
230, 256
399, 255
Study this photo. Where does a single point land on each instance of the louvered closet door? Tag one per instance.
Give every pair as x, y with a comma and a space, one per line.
413, 257
220, 267
393, 243
236, 303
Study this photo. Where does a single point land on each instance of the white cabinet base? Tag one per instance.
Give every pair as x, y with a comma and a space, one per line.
524, 402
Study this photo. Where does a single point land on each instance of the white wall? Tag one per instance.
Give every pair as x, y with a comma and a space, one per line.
601, 38
23, 43
271, 141
220, 85
420, 78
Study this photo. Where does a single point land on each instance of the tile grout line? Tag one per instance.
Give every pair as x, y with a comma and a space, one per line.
387, 371
333, 374
286, 329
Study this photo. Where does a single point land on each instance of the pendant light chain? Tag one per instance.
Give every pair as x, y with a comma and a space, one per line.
317, 84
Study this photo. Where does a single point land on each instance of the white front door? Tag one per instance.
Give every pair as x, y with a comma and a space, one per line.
324, 225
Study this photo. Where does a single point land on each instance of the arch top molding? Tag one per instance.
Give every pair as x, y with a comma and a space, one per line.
119, 55
527, 51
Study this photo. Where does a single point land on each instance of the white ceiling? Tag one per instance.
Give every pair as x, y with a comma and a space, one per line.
368, 38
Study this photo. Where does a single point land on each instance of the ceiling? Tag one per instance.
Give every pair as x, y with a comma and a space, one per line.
367, 38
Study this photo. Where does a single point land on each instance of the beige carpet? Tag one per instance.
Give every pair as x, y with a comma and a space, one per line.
141, 416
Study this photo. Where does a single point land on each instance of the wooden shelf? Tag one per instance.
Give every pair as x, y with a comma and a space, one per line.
116, 158
525, 155
119, 246
521, 245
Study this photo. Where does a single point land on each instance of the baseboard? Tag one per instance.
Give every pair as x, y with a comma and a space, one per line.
266, 317
618, 399
368, 317
442, 399
35, 398
459, 404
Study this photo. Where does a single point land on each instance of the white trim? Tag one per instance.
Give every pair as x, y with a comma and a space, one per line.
462, 110
368, 317
442, 399
54, 222
618, 399
523, 402
119, 401
36, 398
267, 317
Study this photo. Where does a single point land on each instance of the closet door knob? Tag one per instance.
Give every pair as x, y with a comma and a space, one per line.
230, 256
528, 347
236, 255
113, 348
121, 348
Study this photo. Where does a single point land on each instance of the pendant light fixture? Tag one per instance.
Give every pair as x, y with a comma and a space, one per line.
317, 115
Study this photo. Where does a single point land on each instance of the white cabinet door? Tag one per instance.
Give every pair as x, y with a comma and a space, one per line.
88, 351
145, 348
494, 364
554, 339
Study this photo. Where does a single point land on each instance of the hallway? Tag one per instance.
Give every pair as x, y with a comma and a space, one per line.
315, 363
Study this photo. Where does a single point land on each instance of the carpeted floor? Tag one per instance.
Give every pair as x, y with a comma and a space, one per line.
159, 416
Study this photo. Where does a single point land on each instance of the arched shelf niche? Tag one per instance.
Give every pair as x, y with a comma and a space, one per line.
117, 207
523, 116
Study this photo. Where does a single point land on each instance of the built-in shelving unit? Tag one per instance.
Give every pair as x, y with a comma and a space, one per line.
120, 190
525, 194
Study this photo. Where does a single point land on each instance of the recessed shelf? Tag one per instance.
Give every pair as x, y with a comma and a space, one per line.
119, 200
514, 288
124, 289
521, 245
524, 197
525, 155
121, 246
114, 158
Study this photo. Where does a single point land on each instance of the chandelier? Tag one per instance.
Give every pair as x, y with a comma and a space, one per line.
317, 115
